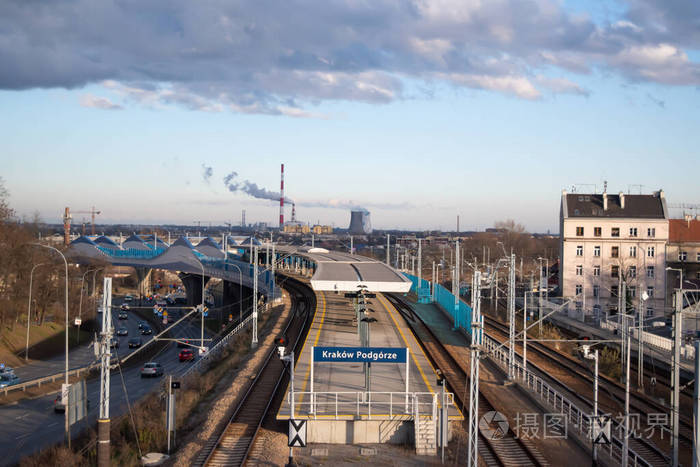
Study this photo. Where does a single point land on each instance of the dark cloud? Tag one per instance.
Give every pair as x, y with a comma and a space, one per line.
281, 57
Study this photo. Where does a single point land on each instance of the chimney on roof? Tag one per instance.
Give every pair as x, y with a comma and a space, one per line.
661, 194
622, 200
605, 201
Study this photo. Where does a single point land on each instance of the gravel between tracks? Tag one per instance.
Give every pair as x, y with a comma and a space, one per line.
230, 390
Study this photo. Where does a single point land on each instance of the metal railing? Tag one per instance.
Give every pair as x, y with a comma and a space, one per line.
219, 346
46, 379
577, 418
365, 405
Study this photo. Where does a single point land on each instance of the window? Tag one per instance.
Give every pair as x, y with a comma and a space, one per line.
579, 250
633, 252
597, 231
579, 231
596, 270
615, 232
650, 291
633, 231
613, 291
682, 255
615, 252
596, 250
697, 275
579, 289
596, 291
697, 258
633, 271
615, 271
579, 270
651, 232
632, 291
650, 252
650, 272
650, 311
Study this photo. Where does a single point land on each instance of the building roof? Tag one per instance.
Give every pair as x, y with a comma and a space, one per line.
681, 230
635, 206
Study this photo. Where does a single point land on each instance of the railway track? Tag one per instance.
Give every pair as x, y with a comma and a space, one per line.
614, 390
508, 450
233, 444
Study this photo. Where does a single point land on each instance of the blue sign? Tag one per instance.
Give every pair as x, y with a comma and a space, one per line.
361, 354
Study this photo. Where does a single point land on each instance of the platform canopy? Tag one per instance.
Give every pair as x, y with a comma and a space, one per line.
344, 272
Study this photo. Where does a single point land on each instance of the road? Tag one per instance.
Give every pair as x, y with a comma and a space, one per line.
31, 425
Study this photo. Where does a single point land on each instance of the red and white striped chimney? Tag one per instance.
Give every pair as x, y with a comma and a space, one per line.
282, 199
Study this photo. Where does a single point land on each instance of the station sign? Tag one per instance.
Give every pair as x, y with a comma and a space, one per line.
361, 354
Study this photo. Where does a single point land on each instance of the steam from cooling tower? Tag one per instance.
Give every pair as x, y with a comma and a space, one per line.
250, 188
359, 222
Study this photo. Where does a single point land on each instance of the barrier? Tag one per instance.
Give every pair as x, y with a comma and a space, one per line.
461, 315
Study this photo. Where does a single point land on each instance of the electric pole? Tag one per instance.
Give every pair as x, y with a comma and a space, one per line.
103, 423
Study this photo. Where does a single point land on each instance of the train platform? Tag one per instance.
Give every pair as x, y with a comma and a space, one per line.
336, 391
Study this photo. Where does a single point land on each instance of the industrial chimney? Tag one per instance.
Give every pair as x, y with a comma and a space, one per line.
282, 199
359, 223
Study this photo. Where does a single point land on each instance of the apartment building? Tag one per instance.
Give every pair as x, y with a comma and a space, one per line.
609, 240
683, 253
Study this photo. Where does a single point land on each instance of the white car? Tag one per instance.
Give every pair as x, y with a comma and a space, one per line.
8, 379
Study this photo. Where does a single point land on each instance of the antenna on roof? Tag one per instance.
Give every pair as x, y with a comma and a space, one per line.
629, 188
605, 186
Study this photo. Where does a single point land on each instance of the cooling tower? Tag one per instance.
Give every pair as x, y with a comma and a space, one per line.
359, 223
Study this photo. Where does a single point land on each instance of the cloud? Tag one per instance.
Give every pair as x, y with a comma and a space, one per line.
95, 102
352, 206
285, 57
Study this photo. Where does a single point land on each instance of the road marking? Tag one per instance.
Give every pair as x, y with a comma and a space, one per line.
318, 335
382, 300
23, 436
22, 416
52, 424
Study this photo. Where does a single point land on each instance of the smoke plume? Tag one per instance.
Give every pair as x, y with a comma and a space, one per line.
251, 188
207, 172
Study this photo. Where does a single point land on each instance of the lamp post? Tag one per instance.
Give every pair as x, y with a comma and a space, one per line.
593, 356
240, 290
29, 311
80, 305
67, 426
201, 347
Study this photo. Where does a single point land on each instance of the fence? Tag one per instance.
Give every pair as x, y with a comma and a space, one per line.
663, 343
461, 314
46, 379
365, 405
575, 416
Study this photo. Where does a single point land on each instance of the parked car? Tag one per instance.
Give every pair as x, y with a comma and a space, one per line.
123, 315
114, 343
183, 343
8, 379
151, 369
134, 342
186, 355
146, 330
122, 332
124, 307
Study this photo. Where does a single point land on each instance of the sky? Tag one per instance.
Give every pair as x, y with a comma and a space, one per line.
173, 111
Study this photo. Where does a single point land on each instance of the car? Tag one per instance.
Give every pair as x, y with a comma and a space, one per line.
183, 343
123, 315
114, 343
134, 342
128, 298
186, 355
8, 379
124, 307
146, 331
151, 369
100, 309
122, 332
58, 405
142, 324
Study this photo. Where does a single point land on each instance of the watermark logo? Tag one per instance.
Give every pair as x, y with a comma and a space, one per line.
493, 425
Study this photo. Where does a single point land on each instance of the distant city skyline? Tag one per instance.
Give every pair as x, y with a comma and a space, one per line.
418, 111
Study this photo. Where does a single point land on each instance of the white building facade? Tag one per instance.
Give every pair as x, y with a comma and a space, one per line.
610, 243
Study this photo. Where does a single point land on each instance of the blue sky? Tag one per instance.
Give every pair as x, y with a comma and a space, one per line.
418, 112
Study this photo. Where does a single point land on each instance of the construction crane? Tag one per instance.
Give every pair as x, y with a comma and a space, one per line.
67, 220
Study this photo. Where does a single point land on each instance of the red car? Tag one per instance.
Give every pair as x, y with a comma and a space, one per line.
186, 355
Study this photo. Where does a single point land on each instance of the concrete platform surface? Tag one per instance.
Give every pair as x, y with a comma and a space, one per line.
339, 388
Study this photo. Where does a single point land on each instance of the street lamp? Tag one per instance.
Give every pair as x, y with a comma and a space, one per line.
80, 306
240, 289
67, 426
29, 311
593, 356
